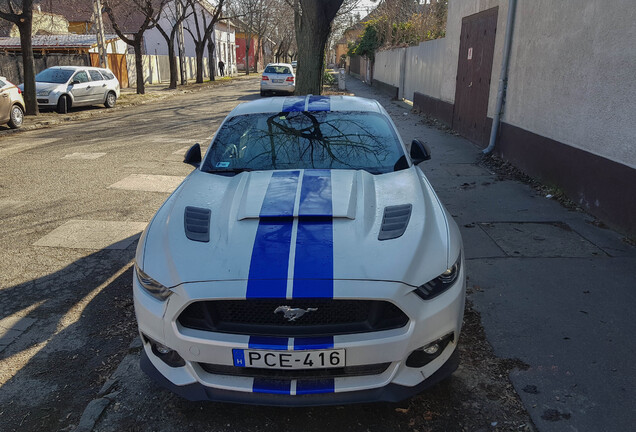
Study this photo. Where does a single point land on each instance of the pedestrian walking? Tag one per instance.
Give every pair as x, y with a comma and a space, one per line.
221, 68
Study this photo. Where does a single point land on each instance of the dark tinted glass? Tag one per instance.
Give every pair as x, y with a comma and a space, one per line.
108, 75
58, 76
305, 140
277, 69
95, 76
81, 76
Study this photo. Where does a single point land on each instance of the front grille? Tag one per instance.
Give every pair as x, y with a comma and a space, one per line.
257, 317
284, 374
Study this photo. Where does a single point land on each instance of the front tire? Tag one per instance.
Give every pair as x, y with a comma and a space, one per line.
17, 117
111, 99
62, 104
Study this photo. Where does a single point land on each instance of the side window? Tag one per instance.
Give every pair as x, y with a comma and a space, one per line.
81, 76
95, 76
108, 75
2, 83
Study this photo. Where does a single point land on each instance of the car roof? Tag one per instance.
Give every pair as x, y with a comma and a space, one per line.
307, 103
278, 64
78, 68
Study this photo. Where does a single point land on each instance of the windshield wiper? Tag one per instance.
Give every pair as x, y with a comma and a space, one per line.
228, 171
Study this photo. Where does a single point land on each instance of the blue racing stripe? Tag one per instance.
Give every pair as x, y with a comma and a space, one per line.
319, 103
270, 254
313, 387
315, 194
281, 195
313, 343
262, 385
294, 103
271, 343
313, 266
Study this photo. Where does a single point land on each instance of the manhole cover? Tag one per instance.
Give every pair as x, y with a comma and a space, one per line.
531, 239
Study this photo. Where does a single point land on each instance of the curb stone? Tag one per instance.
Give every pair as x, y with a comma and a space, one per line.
96, 407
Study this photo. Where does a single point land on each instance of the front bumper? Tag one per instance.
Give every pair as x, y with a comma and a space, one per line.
428, 322
389, 393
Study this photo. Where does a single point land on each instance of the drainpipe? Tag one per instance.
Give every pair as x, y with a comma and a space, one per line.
503, 76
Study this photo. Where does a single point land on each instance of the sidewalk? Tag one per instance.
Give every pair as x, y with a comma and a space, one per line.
554, 290
192, 84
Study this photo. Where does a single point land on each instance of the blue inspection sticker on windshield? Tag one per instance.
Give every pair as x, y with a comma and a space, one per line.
222, 164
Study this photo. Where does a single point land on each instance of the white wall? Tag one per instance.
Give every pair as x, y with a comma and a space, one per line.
424, 70
388, 65
573, 75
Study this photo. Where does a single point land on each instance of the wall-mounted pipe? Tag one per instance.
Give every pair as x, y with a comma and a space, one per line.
503, 76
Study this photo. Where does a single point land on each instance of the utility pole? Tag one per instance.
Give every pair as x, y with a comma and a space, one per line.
101, 39
181, 43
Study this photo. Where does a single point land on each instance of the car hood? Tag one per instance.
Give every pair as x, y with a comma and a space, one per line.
301, 224
45, 86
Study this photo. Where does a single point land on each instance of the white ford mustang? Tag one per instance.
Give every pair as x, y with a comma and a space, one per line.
305, 261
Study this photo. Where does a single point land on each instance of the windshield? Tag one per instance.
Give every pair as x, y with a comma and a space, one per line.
305, 140
57, 76
277, 70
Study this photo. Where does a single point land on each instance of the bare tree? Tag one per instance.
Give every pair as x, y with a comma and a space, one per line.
121, 12
312, 21
205, 17
175, 15
247, 10
20, 13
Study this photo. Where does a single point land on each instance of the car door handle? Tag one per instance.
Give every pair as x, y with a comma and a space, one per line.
103, 85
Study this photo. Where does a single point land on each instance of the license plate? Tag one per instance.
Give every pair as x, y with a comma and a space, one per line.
277, 81
289, 359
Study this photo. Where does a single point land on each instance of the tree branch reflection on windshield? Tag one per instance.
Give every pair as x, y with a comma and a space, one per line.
305, 140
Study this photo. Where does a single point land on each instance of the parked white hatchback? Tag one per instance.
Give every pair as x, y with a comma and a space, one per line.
278, 77
63, 87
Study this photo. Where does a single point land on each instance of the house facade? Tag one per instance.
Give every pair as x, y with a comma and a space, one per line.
223, 37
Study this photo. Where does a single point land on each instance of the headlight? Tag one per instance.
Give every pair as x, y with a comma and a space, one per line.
44, 92
441, 283
153, 287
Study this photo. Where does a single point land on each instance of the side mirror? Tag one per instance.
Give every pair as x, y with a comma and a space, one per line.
193, 156
420, 151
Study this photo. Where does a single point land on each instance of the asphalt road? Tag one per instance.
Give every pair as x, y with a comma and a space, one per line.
74, 197
67, 239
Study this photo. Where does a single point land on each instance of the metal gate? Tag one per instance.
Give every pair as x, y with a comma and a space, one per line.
476, 48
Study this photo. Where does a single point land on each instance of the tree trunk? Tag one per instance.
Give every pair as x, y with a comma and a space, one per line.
211, 60
257, 54
198, 49
30, 99
312, 30
247, 55
139, 66
173, 65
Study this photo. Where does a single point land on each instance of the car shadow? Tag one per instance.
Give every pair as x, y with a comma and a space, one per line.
66, 332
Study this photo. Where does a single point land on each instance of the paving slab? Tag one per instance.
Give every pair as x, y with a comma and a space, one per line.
530, 239
149, 183
89, 234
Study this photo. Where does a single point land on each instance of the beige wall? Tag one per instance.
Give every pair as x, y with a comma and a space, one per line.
571, 74
44, 23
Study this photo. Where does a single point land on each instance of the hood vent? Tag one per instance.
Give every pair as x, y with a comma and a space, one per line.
197, 224
395, 221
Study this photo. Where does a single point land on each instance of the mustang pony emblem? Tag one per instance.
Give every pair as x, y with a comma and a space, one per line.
292, 314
